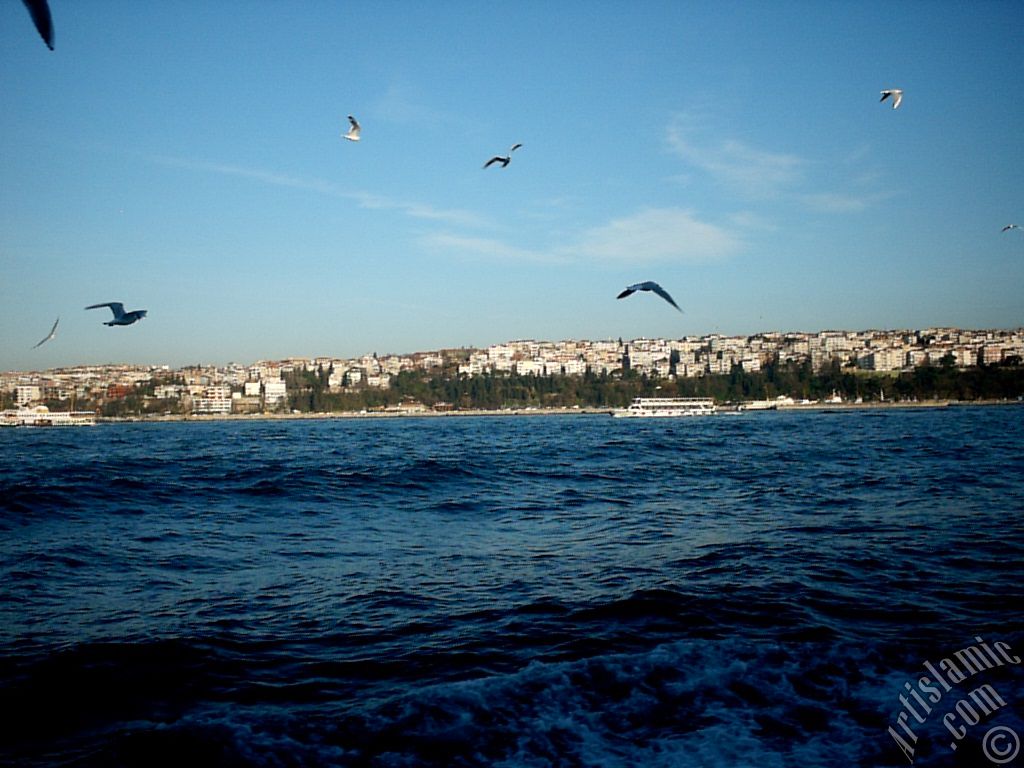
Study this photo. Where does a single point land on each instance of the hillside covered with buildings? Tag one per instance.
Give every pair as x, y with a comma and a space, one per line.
934, 362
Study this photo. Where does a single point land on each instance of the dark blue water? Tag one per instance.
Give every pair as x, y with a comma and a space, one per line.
547, 591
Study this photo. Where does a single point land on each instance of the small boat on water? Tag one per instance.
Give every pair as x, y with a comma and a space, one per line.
759, 405
646, 407
41, 416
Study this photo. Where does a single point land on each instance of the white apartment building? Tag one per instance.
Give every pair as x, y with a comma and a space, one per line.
530, 367
574, 367
662, 368
916, 357
395, 364
27, 393
431, 361
168, 391
991, 354
887, 359
274, 392
475, 366
646, 359
214, 399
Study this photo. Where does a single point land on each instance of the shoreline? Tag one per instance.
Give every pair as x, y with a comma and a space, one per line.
533, 411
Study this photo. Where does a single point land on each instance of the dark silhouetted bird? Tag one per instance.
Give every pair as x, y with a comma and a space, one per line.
503, 159
120, 316
40, 12
648, 285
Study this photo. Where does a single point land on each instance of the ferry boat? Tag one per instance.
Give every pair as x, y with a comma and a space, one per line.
41, 416
644, 407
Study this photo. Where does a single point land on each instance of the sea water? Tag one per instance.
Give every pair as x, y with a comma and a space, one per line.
755, 590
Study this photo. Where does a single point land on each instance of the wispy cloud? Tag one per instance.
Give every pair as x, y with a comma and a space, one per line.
402, 105
748, 169
656, 234
837, 202
483, 247
748, 220
761, 174
367, 200
652, 235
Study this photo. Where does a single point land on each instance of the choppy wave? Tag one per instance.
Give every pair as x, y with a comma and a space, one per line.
517, 592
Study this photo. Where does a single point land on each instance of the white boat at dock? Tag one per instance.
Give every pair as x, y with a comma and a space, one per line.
758, 405
41, 416
648, 407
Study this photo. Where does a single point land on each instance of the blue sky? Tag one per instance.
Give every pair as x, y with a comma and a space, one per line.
186, 158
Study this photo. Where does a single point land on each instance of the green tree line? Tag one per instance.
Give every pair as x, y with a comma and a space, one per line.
308, 390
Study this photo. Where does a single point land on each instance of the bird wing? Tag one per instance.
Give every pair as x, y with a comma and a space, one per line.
897, 96
493, 160
115, 306
50, 335
353, 132
40, 12
628, 292
664, 294
514, 147
1010, 226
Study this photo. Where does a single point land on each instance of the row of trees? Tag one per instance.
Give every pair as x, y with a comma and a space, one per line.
308, 390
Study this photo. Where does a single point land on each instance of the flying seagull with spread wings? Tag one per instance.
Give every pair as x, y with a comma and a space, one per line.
897, 96
40, 12
50, 335
120, 316
648, 285
353, 131
503, 159
1010, 226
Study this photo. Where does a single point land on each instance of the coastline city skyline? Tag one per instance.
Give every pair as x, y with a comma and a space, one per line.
890, 351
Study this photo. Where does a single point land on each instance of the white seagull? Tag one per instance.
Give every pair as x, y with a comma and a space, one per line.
353, 132
503, 159
50, 335
120, 316
648, 285
1010, 226
897, 96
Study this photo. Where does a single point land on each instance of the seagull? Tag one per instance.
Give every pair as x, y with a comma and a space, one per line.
120, 316
503, 159
648, 285
1011, 226
52, 333
353, 132
40, 13
897, 96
